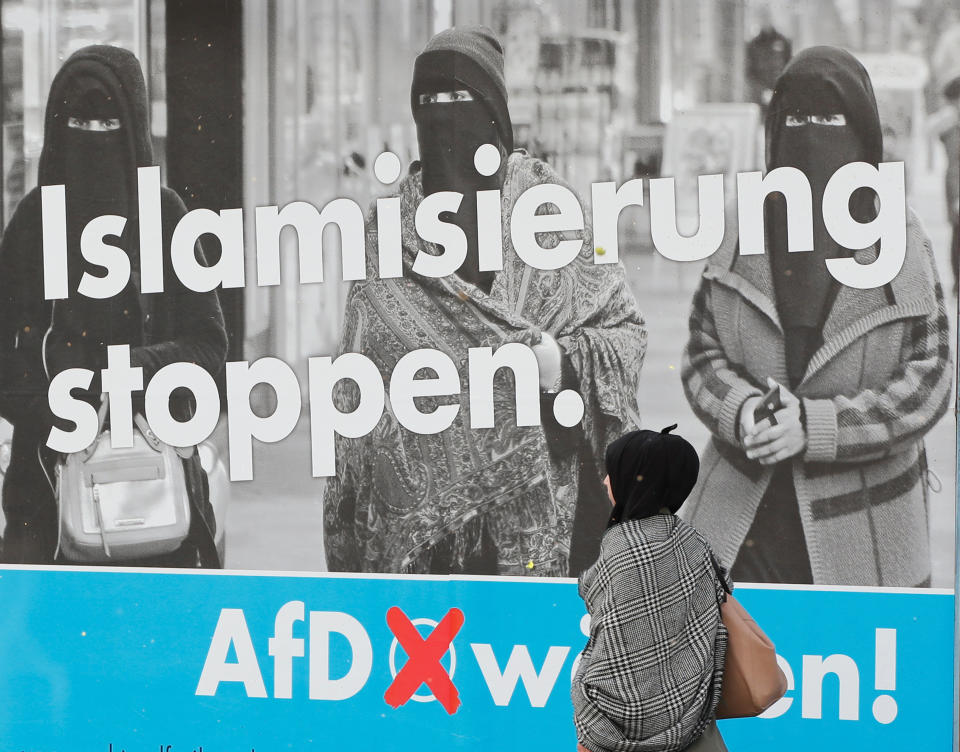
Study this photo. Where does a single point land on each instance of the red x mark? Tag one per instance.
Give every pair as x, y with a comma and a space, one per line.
423, 664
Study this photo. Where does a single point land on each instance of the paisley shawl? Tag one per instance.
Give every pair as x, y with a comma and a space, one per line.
398, 495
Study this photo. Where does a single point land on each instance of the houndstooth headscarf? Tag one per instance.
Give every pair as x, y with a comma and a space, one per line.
650, 675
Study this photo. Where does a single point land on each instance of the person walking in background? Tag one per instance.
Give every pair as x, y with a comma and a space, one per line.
504, 500
651, 673
766, 56
96, 135
834, 489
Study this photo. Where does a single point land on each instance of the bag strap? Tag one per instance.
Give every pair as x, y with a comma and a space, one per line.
206, 547
721, 574
200, 532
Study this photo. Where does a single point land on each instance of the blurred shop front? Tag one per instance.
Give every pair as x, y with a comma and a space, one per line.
38, 35
326, 91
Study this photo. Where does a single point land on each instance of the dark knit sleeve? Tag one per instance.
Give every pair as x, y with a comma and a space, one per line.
23, 383
714, 389
876, 423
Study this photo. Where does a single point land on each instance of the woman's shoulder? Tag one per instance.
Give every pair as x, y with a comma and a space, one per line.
170, 200
919, 245
649, 537
26, 207
24, 230
697, 539
525, 171
31, 200
688, 530
918, 277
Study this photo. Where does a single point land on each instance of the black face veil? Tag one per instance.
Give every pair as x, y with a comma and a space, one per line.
96, 136
449, 134
97, 156
97, 163
450, 129
823, 115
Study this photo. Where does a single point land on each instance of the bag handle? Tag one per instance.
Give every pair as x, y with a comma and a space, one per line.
154, 441
86, 454
142, 426
721, 575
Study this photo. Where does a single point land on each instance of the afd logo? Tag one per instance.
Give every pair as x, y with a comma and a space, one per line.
429, 644
425, 650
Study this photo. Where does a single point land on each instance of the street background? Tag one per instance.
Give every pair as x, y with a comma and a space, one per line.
258, 102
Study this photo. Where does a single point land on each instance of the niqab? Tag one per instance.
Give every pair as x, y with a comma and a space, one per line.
803, 131
462, 59
98, 168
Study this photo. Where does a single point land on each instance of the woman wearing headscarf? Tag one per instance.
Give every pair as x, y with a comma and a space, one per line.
833, 490
650, 676
507, 500
96, 135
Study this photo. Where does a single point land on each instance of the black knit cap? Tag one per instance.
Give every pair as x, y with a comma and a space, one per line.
470, 56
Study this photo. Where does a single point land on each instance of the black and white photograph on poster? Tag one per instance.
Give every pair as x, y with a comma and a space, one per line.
376, 286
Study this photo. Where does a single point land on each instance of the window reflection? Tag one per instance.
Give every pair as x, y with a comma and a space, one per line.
38, 36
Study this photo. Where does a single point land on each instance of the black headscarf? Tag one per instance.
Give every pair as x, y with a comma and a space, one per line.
449, 133
818, 82
649, 471
116, 74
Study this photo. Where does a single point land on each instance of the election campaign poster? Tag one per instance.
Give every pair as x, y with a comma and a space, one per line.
479, 374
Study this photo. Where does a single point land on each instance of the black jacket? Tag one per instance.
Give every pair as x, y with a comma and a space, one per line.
177, 325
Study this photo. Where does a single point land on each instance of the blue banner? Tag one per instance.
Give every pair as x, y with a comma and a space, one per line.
125, 661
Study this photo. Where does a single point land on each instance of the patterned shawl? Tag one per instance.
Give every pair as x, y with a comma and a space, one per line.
398, 495
650, 676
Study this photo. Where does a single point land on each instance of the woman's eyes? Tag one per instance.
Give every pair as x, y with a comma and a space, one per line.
837, 118
84, 124
834, 119
461, 95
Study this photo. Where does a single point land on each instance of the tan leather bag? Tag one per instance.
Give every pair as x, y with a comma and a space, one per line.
752, 679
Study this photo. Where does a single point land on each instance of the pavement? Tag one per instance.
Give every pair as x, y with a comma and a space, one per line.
275, 521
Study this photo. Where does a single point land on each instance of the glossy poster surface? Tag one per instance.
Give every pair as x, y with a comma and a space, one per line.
269, 662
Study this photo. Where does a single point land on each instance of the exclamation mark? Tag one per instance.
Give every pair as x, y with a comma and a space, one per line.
885, 707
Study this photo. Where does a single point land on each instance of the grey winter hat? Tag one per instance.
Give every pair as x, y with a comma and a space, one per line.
471, 56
